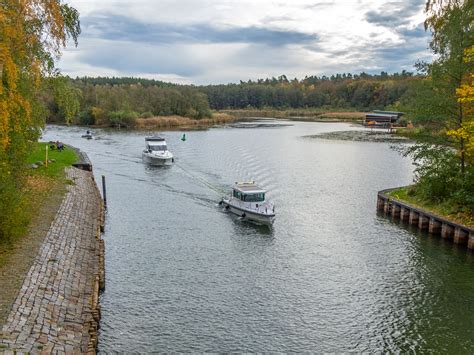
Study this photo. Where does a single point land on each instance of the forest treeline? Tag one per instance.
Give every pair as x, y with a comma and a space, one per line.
119, 101
359, 91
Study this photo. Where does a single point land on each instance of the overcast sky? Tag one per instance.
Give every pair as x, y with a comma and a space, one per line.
222, 41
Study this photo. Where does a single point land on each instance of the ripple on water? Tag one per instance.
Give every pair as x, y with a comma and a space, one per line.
329, 276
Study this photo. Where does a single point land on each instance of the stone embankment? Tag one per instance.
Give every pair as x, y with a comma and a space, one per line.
57, 309
424, 220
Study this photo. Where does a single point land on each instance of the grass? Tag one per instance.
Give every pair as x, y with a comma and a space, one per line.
62, 159
445, 210
43, 192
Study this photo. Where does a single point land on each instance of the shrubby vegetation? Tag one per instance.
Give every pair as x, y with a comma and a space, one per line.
442, 104
119, 102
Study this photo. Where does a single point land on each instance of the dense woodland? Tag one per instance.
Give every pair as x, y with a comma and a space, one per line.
113, 101
360, 91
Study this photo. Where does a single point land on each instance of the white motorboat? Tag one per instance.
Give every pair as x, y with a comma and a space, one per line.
248, 201
156, 151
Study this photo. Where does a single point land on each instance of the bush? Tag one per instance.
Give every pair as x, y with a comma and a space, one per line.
439, 177
122, 118
86, 118
147, 114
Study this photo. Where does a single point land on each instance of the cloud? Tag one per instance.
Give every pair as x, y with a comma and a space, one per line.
220, 41
121, 28
395, 13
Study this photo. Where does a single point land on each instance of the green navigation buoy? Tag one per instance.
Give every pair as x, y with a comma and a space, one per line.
183, 138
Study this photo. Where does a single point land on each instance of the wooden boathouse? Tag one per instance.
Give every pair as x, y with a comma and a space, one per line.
424, 220
382, 118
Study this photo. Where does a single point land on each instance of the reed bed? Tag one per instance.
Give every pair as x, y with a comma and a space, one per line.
179, 121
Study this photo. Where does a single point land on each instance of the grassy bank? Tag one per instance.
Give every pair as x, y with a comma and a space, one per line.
446, 210
43, 193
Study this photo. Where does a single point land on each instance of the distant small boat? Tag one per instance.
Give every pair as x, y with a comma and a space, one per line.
88, 135
156, 152
248, 201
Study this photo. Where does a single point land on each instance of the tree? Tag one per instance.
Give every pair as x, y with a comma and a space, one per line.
32, 32
465, 94
451, 23
446, 96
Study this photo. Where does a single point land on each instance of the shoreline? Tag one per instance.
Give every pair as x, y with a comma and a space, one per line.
226, 117
57, 308
362, 136
424, 219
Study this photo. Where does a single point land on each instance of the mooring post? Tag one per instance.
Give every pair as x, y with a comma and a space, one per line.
434, 226
447, 231
404, 214
104, 191
423, 222
460, 236
470, 241
413, 218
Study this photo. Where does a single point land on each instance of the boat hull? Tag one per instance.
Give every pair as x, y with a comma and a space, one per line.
157, 160
261, 218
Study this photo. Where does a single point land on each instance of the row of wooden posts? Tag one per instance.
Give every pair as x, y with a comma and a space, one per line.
425, 220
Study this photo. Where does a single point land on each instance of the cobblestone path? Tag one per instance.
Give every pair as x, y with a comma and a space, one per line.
54, 310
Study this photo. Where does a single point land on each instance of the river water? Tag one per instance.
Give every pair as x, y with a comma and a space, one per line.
329, 276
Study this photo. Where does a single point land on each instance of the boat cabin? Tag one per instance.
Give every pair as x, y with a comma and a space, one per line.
155, 144
248, 192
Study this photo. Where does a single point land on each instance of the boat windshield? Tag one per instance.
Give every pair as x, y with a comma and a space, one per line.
157, 148
259, 197
255, 197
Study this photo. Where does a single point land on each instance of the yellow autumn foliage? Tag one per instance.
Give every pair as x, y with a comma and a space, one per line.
32, 32
465, 94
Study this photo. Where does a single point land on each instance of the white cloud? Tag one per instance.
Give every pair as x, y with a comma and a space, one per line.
205, 41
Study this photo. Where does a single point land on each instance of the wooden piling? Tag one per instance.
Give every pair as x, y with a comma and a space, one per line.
380, 203
413, 218
460, 236
104, 192
396, 211
434, 226
404, 214
447, 231
425, 220
470, 241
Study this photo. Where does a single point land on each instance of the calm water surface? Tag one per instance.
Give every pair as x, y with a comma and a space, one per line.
330, 276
